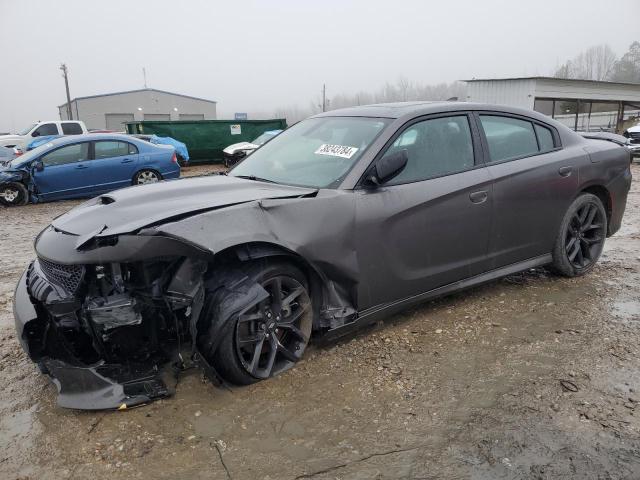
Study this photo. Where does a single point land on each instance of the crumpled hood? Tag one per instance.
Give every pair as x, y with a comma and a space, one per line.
130, 209
11, 174
231, 149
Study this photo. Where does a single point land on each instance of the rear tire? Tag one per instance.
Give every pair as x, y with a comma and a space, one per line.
146, 176
581, 238
13, 194
271, 337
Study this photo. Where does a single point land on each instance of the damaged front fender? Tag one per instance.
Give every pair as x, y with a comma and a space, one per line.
276, 223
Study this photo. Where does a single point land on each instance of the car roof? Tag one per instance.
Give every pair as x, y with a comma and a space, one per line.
91, 136
416, 109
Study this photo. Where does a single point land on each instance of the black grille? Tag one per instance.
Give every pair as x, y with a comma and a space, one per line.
66, 276
635, 135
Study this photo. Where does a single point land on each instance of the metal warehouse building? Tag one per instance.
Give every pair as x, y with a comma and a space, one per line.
110, 111
583, 105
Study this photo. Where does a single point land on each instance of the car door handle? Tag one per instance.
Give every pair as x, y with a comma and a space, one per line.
80, 167
127, 160
479, 197
565, 171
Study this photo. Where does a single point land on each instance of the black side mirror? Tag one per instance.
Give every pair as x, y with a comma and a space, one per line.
35, 134
39, 166
387, 167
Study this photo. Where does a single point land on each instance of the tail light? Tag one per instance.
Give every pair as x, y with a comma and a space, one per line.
174, 159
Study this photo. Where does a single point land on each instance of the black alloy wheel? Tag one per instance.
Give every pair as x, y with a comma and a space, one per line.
582, 236
585, 236
271, 336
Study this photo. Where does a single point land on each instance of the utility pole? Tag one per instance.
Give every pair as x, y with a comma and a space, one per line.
65, 73
324, 97
144, 74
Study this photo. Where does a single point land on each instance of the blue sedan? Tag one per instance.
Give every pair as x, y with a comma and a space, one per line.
84, 166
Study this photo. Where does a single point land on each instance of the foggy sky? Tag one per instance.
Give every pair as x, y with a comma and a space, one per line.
260, 55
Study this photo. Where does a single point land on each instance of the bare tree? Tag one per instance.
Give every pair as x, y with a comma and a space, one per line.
595, 63
402, 90
403, 87
627, 69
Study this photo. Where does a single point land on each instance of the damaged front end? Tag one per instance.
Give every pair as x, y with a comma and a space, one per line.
110, 335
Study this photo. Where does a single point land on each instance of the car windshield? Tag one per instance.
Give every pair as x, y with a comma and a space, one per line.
27, 157
27, 130
263, 138
317, 152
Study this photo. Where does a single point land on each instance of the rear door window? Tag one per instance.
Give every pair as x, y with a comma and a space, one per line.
78, 152
109, 149
45, 129
508, 137
71, 128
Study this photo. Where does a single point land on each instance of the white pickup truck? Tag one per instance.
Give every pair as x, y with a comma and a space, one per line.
43, 129
633, 134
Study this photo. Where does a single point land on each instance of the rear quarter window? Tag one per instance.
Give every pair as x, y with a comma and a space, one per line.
508, 137
545, 138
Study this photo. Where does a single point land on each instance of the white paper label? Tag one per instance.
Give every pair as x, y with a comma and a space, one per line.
336, 150
236, 129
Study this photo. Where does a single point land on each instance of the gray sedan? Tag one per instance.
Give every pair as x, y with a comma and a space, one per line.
343, 219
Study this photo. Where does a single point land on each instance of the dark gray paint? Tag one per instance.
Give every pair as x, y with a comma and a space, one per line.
368, 251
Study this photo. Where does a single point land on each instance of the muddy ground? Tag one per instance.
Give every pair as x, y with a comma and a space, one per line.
533, 376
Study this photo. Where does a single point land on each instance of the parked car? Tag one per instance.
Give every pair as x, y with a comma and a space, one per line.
84, 166
236, 152
633, 134
341, 220
181, 149
42, 129
6, 155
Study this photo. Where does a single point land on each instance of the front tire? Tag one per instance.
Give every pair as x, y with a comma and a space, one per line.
13, 194
581, 237
272, 336
146, 176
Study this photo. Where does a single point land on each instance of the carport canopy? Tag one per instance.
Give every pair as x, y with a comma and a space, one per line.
583, 105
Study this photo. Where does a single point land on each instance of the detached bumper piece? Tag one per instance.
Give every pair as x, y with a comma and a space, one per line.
107, 335
104, 387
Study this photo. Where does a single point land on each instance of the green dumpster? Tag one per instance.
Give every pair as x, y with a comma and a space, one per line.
206, 139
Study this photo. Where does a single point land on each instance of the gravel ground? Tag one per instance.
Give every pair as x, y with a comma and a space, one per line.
533, 376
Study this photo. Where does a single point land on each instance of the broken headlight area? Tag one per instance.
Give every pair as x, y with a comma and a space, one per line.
112, 334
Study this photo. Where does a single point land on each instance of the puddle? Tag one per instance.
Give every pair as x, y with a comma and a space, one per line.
627, 311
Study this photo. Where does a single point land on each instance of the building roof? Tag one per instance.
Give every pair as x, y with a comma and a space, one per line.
556, 79
136, 91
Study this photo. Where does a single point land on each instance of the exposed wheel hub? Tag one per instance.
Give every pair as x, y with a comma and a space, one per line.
10, 194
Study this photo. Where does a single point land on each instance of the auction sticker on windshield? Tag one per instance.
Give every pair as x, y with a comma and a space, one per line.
336, 150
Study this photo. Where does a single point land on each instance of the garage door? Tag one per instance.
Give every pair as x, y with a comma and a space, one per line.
116, 121
192, 116
157, 116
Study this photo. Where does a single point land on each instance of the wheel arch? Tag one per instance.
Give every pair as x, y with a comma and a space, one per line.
604, 195
319, 284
